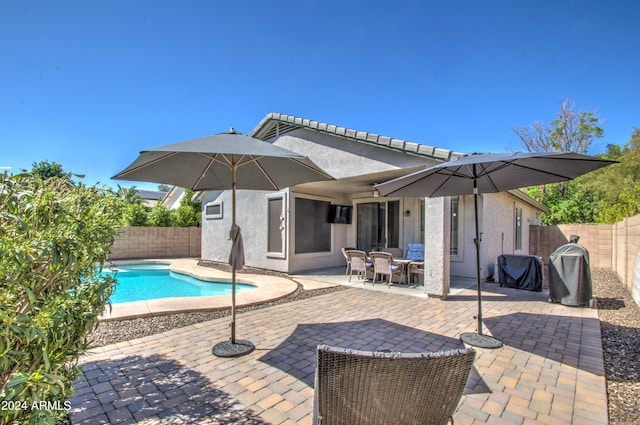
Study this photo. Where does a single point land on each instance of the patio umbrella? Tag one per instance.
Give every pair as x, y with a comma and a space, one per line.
225, 161
490, 173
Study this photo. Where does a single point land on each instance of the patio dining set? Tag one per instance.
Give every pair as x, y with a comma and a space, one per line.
387, 262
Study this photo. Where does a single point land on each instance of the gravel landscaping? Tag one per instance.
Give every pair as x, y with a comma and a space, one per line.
619, 321
620, 325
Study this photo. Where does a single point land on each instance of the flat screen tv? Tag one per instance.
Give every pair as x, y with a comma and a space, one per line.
340, 214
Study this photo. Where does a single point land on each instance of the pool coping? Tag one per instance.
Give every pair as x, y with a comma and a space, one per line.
268, 288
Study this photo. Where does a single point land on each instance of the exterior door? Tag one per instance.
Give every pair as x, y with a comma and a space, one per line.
378, 225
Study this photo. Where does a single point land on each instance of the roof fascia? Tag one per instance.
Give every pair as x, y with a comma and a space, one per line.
528, 199
265, 127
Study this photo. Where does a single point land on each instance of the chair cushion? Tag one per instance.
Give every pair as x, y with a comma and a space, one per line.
415, 251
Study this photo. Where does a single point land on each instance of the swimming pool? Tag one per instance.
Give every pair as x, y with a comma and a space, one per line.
138, 282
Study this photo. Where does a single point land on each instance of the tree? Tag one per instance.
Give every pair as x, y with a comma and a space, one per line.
189, 213
130, 195
46, 170
607, 195
618, 186
54, 237
568, 203
570, 132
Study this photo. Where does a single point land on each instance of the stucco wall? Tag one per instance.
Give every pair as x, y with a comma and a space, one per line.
156, 242
497, 228
343, 158
340, 158
251, 216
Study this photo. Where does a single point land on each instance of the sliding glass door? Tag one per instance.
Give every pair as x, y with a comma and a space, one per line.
378, 225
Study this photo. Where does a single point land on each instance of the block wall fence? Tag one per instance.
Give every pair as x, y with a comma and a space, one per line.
156, 242
610, 246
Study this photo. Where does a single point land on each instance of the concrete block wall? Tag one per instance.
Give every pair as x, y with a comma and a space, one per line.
156, 242
596, 238
627, 252
615, 247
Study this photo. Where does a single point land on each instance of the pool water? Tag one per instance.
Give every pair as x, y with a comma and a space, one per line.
138, 282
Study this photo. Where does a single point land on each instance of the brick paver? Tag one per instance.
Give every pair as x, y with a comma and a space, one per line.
550, 370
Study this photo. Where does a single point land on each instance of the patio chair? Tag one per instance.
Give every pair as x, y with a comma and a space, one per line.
346, 257
415, 252
384, 265
358, 263
396, 252
363, 387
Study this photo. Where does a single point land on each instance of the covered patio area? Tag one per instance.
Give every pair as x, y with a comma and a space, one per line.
549, 371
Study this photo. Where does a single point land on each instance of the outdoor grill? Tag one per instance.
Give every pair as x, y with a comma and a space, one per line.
570, 275
520, 271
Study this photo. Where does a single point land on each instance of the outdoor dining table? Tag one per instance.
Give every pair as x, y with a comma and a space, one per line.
404, 263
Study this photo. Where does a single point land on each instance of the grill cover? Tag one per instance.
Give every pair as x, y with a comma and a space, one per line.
570, 275
520, 271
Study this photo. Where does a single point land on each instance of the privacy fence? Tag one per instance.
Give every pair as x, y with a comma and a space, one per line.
610, 246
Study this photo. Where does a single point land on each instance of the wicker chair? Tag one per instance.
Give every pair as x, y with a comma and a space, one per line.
358, 263
396, 252
384, 265
362, 387
415, 252
346, 257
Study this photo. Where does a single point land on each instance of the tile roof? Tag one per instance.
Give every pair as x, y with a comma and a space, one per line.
151, 194
274, 124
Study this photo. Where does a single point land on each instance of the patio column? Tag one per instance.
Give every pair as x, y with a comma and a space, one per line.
437, 241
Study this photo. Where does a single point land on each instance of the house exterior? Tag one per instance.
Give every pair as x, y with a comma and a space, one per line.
173, 198
306, 226
150, 198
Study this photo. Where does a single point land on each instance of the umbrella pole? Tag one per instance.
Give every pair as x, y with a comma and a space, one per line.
233, 347
476, 242
472, 338
233, 266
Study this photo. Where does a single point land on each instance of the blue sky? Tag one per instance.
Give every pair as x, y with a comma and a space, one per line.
88, 84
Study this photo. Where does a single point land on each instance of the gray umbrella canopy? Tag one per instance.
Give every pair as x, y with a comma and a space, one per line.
207, 164
225, 161
490, 173
493, 172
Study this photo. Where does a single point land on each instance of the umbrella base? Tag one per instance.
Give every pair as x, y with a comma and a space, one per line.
482, 341
228, 349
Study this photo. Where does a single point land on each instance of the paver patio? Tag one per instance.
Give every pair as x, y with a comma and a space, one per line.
550, 370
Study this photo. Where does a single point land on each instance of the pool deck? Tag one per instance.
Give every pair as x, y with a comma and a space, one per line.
550, 369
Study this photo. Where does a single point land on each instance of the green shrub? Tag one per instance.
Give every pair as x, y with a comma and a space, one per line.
136, 215
185, 216
159, 216
54, 235
189, 213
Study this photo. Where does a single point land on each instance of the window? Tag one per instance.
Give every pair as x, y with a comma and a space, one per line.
213, 210
276, 227
454, 250
518, 229
313, 230
378, 225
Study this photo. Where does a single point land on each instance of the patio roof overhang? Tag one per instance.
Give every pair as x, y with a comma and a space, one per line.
359, 185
